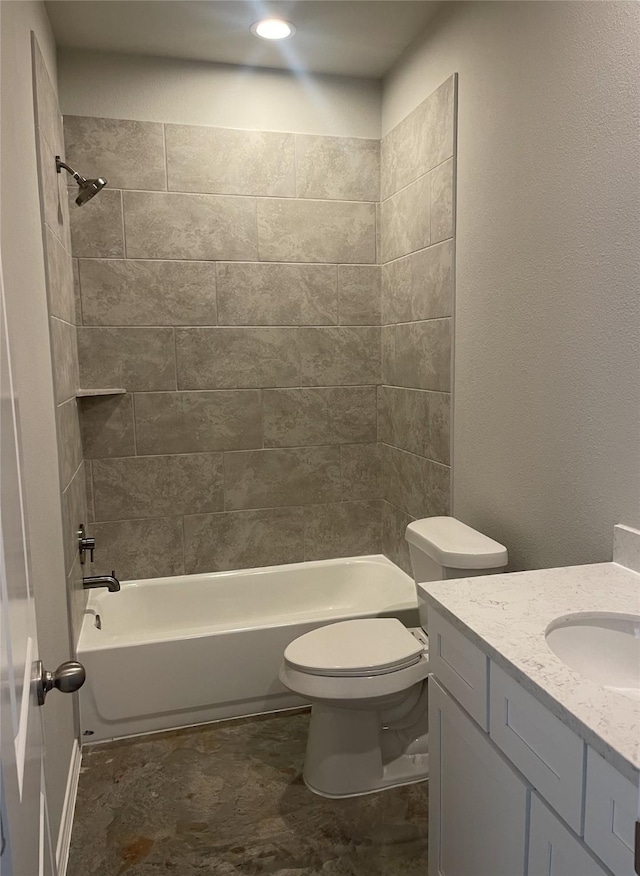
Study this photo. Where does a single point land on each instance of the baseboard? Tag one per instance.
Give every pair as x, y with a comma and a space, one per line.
66, 822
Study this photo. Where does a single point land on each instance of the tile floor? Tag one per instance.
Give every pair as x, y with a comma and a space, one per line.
228, 799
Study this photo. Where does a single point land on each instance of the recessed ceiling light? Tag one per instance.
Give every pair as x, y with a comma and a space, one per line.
273, 29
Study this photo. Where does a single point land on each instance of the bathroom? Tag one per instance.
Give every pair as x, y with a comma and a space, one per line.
381, 272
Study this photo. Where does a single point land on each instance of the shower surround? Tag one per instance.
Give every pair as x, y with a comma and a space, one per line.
230, 281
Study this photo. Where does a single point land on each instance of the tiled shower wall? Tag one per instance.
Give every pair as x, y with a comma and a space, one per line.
417, 256
62, 326
229, 281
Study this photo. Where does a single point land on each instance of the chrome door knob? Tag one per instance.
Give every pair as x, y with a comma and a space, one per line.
67, 678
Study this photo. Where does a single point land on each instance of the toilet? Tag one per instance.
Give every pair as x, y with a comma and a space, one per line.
367, 679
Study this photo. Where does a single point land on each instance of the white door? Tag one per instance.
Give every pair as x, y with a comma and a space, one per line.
553, 849
477, 803
25, 843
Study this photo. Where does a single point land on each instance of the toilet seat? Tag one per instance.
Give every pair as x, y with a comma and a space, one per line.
354, 649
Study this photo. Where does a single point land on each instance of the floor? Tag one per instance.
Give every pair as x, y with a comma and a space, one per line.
228, 799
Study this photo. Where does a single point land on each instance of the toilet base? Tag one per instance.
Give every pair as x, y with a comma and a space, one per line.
413, 774
356, 751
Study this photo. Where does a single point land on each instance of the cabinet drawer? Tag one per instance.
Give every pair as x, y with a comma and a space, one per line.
553, 849
547, 752
609, 821
459, 666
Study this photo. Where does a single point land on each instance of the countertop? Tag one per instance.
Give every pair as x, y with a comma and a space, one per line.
507, 615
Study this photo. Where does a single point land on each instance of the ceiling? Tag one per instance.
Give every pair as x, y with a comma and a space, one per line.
348, 37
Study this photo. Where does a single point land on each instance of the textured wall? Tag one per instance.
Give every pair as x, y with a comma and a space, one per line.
547, 395
417, 243
229, 281
218, 95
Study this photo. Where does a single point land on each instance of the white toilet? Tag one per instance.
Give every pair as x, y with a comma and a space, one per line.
367, 679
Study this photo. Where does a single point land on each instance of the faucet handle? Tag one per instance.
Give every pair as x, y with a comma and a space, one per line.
85, 543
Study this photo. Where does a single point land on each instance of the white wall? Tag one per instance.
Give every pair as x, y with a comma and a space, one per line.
28, 321
547, 371
196, 93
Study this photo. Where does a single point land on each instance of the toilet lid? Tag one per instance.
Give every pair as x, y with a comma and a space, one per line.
371, 646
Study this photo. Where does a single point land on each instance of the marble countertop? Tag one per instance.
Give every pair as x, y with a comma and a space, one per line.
507, 615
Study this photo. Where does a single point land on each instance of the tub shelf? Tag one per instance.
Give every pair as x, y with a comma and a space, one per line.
90, 393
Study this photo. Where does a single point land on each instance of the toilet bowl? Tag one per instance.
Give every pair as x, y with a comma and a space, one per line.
367, 679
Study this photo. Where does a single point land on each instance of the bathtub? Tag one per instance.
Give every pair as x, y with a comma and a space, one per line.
172, 652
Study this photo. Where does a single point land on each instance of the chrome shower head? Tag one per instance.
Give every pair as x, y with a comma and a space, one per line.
87, 188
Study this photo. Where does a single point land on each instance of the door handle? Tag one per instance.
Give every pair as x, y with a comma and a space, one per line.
68, 677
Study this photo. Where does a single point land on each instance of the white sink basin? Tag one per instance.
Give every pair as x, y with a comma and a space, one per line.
602, 646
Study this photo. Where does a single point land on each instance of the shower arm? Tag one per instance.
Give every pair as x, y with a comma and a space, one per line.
60, 164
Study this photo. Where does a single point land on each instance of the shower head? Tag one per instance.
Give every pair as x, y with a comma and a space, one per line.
87, 188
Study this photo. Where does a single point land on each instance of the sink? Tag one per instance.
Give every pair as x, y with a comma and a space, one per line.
602, 646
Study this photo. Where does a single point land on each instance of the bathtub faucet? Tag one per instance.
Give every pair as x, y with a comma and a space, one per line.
109, 581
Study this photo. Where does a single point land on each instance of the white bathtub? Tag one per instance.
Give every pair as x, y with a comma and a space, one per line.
178, 651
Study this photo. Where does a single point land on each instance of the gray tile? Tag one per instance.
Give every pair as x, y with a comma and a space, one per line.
232, 162
405, 219
419, 286
394, 543
361, 471
76, 598
421, 141
388, 353
276, 294
423, 355
338, 168
185, 422
414, 484
348, 529
197, 799
243, 539
59, 279
53, 193
359, 294
76, 292
316, 231
202, 227
442, 202
139, 548
139, 292
130, 155
415, 420
339, 355
74, 512
89, 491
133, 358
107, 425
157, 486
96, 228
48, 113
64, 358
276, 478
69, 440
237, 358
327, 415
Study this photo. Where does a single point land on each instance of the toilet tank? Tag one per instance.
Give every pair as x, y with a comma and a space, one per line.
443, 547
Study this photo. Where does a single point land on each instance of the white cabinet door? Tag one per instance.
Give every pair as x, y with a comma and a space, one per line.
553, 849
477, 802
610, 815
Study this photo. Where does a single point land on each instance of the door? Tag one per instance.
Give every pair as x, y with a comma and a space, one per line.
477, 803
553, 849
25, 844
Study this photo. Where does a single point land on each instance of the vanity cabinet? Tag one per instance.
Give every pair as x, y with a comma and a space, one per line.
475, 798
513, 790
553, 849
